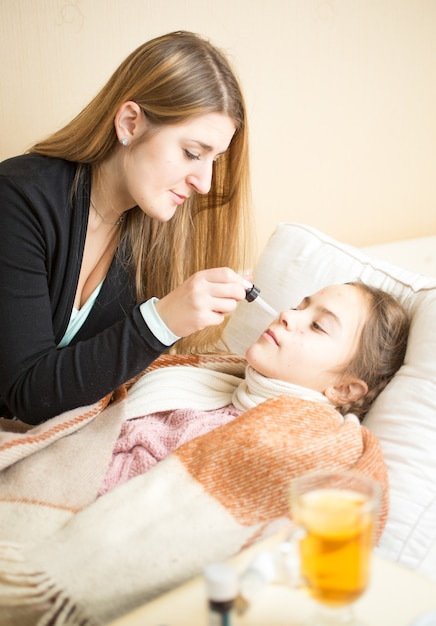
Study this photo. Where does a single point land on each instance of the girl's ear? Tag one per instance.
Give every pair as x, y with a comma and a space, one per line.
129, 121
348, 390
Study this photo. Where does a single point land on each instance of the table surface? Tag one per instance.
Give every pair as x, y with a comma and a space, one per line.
396, 596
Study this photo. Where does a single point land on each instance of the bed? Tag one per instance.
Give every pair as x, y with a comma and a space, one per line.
67, 557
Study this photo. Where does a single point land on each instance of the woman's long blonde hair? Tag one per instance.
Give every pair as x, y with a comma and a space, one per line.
173, 78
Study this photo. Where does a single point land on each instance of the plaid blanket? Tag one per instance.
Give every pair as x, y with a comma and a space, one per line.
68, 557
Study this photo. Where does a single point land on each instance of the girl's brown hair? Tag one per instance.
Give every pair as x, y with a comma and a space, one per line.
173, 78
382, 346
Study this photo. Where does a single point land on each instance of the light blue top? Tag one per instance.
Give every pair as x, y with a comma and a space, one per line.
78, 317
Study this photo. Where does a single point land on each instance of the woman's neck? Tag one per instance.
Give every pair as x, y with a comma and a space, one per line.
108, 197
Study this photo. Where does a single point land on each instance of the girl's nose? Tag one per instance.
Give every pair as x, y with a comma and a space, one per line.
291, 319
201, 179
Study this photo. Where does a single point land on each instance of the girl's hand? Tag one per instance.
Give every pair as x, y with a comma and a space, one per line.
202, 300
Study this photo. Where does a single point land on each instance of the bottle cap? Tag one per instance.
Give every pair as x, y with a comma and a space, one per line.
222, 582
252, 293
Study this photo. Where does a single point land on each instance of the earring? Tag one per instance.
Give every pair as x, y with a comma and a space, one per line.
124, 141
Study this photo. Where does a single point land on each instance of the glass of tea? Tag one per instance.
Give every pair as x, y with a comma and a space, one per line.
335, 515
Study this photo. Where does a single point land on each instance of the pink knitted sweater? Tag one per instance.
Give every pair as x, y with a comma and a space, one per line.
146, 440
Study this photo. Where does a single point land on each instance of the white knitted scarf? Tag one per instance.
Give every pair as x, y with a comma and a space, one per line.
256, 388
183, 387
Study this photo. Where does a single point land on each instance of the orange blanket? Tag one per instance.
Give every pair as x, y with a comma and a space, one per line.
70, 558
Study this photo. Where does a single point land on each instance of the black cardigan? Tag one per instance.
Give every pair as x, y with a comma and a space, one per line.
42, 237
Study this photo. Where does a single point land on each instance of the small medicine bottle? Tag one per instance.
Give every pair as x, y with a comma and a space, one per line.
222, 589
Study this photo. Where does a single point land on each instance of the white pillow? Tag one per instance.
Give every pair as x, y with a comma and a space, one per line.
297, 261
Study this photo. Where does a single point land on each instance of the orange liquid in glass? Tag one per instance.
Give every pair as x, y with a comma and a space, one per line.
335, 553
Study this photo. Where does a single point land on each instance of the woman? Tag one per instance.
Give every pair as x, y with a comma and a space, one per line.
107, 226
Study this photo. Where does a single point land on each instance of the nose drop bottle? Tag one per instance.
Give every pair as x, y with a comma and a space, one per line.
222, 589
252, 294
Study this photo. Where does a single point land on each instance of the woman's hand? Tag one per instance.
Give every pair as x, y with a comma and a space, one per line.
202, 300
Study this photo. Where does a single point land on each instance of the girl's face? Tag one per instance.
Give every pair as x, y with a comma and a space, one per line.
311, 344
165, 165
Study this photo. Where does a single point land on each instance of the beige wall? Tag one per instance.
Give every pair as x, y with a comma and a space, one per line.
341, 96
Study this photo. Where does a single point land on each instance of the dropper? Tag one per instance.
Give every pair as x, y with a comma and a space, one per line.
252, 293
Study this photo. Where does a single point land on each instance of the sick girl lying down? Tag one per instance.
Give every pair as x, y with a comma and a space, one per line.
339, 347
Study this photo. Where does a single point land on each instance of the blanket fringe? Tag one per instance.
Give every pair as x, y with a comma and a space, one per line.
22, 587
64, 612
